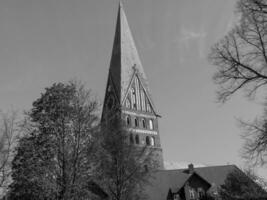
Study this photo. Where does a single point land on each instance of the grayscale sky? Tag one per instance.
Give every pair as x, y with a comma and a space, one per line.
42, 42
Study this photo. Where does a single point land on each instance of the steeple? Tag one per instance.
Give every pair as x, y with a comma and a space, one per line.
127, 92
125, 60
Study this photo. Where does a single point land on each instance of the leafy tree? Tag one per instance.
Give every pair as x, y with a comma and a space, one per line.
240, 186
54, 158
241, 56
124, 168
8, 133
249, 171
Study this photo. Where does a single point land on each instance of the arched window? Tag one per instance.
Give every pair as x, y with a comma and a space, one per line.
147, 141
144, 123
151, 126
137, 141
128, 103
131, 139
152, 141
128, 120
136, 122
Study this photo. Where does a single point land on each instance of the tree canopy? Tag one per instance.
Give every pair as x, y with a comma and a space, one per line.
238, 185
124, 167
54, 158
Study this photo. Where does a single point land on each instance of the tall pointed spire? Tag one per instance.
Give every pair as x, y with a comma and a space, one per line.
127, 93
125, 59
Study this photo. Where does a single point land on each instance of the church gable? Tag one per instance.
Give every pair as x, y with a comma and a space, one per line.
136, 97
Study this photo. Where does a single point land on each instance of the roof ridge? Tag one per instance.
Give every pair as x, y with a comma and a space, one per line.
232, 165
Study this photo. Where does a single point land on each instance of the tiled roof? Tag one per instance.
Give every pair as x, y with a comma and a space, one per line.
164, 180
216, 174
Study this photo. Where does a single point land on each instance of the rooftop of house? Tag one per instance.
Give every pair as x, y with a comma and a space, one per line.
164, 180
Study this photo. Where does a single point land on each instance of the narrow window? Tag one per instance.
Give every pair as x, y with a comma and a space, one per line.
152, 141
133, 98
143, 101
137, 93
146, 168
137, 141
176, 197
144, 123
131, 139
151, 126
128, 103
109, 88
128, 121
147, 141
200, 192
191, 194
136, 122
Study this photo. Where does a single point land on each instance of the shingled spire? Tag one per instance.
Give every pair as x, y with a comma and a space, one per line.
125, 60
127, 93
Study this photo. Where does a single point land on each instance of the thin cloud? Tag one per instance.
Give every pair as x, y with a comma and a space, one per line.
187, 37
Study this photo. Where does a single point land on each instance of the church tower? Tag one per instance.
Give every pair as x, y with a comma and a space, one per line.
127, 92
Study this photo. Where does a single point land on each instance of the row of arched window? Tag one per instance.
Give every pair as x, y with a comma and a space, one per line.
150, 140
140, 122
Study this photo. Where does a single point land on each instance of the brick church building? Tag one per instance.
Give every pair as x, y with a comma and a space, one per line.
128, 90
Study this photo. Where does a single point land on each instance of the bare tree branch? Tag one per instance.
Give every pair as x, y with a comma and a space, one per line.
241, 57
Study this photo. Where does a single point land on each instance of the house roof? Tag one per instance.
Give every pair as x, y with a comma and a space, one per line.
216, 174
163, 180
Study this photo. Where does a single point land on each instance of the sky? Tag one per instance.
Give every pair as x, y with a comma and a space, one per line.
43, 42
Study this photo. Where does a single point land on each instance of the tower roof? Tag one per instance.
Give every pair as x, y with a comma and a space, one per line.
125, 61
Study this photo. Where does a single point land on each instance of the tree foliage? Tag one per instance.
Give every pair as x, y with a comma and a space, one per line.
241, 56
124, 168
240, 186
54, 158
8, 133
